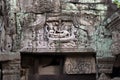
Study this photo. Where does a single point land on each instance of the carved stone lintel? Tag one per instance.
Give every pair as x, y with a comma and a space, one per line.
79, 65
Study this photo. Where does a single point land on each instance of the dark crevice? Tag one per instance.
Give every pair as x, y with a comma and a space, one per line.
116, 72
1, 75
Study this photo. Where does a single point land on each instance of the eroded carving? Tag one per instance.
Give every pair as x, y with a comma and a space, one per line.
36, 6
79, 65
115, 46
60, 32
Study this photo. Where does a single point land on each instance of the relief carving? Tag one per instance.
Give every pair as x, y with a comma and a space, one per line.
79, 65
64, 33
115, 46
36, 6
54, 30
29, 24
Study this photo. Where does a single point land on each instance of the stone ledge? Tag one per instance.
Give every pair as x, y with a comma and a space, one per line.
9, 56
41, 50
10, 72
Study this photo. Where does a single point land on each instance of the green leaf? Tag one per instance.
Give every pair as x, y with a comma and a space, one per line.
117, 2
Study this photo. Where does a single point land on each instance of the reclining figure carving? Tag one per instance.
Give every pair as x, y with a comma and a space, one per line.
61, 33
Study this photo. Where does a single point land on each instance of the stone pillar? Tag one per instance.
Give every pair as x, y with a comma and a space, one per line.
11, 70
36, 67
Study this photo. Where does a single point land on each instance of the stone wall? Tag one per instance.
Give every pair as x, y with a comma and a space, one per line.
72, 27
11, 70
76, 25
56, 26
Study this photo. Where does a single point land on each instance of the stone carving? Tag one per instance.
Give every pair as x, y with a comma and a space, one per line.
2, 35
57, 4
11, 71
79, 65
105, 65
40, 21
36, 6
60, 33
28, 25
115, 46
2, 30
34, 34
6, 33
103, 77
57, 33
8, 46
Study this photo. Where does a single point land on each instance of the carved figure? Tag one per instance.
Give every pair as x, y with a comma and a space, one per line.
63, 33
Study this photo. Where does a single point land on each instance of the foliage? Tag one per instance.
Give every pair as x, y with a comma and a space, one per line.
117, 2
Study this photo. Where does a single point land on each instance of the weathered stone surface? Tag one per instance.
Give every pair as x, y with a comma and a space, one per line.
9, 56
116, 78
40, 50
105, 65
11, 70
112, 23
36, 6
115, 46
59, 26
77, 31
2, 35
8, 46
80, 65
104, 77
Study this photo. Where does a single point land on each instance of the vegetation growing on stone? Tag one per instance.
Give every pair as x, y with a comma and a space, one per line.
117, 2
